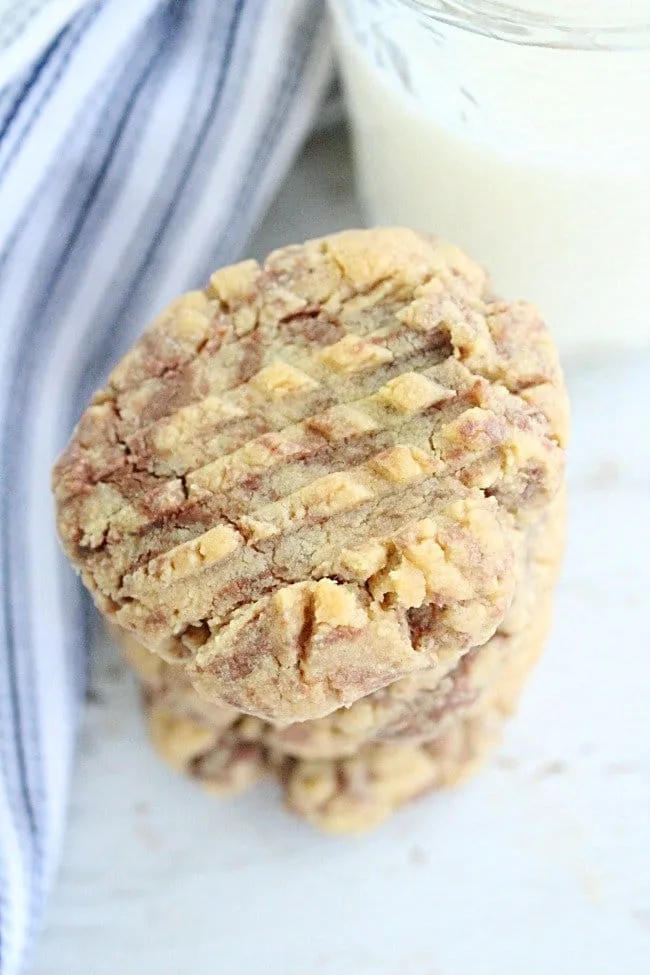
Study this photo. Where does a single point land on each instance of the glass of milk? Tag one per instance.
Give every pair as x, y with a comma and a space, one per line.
522, 132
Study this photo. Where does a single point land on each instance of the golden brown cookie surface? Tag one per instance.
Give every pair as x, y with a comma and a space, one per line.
418, 735
296, 468
358, 792
416, 708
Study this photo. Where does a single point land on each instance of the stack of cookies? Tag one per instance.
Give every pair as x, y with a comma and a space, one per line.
321, 505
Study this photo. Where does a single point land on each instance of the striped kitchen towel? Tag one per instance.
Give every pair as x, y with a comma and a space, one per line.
140, 142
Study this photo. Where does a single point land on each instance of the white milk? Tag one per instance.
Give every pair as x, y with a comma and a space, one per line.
536, 160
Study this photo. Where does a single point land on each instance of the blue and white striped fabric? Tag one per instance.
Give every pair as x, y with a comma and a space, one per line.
140, 141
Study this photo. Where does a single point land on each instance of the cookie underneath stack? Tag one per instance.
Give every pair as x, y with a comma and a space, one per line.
321, 505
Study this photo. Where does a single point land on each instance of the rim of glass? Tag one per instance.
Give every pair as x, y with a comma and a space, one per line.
595, 27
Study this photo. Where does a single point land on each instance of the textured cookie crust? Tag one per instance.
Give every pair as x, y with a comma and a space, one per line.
425, 732
306, 481
416, 708
420, 706
356, 793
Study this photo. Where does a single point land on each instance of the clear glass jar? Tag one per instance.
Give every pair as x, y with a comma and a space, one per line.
522, 132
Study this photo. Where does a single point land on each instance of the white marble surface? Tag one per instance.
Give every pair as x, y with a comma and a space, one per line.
540, 866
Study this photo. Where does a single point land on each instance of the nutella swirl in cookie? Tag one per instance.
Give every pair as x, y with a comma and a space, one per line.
308, 480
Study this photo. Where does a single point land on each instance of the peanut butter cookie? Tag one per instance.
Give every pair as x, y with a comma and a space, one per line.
358, 792
305, 482
416, 708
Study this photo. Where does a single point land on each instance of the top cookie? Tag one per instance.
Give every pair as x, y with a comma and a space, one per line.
299, 468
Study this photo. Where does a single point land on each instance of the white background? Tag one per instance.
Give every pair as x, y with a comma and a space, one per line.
541, 866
